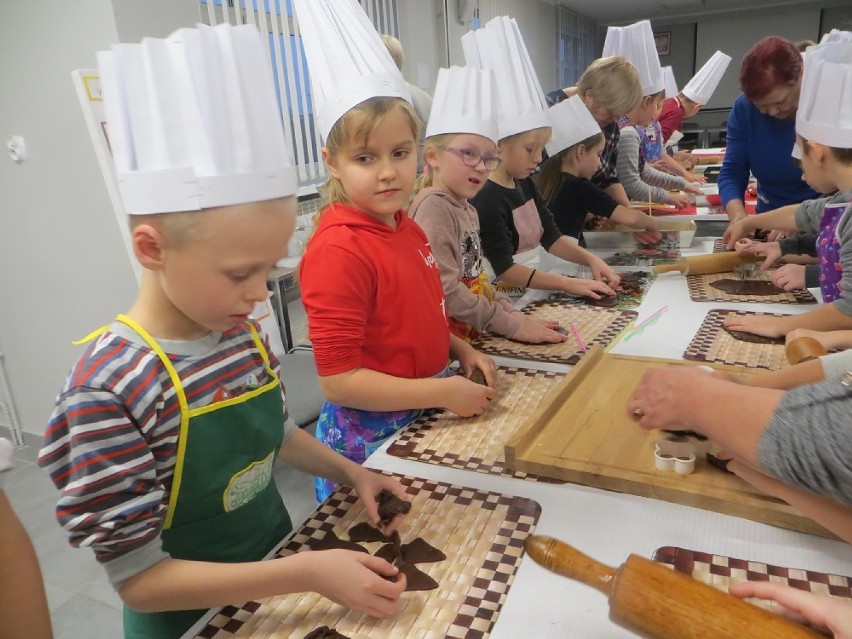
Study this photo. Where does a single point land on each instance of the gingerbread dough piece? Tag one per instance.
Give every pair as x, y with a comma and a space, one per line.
333, 542
416, 579
324, 632
752, 338
607, 301
364, 532
391, 505
561, 330
421, 552
746, 287
479, 377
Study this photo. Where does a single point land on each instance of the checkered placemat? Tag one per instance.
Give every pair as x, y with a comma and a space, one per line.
477, 443
632, 290
721, 572
596, 326
481, 532
714, 344
719, 246
701, 291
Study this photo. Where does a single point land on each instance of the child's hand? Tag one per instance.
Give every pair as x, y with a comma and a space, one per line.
586, 288
466, 398
533, 331
601, 270
678, 200
824, 612
649, 236
658, 399
368, 484
772, 251
356, 580
757, 325
790, 277
697, 179
471, 360
694, 190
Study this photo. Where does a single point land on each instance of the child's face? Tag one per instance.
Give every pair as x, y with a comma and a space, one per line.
603, 115
213, 282
451, 164
648, 111
813, 166
589, 160
523, 154
378, 173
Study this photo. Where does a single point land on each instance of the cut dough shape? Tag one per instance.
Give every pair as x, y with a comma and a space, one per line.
391, 505
746, 287
324, 632
479, 377
333, 542
416, 579
364, 532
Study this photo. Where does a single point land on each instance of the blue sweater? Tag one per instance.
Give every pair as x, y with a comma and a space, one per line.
762, 144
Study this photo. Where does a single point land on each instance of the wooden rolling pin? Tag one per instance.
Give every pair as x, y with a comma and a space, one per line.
703, 264
657, 602
803, 349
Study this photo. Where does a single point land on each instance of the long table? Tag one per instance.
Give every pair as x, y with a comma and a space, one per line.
610, 526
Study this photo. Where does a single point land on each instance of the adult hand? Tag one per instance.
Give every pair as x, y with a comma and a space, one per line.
661, 399
356, 580
790, 277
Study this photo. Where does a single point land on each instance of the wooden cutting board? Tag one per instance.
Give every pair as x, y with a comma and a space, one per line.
582, 434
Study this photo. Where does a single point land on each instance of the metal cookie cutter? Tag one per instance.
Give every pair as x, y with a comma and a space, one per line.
675, 456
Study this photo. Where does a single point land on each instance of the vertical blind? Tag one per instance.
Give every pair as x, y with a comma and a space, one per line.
276, 18
576, 41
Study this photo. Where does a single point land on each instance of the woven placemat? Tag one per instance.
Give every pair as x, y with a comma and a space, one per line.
721, 572
596, 326
477, 443
712, 343
701, 291
630, 294
482, 534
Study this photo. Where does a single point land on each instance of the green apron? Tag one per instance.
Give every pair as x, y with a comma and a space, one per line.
224, 505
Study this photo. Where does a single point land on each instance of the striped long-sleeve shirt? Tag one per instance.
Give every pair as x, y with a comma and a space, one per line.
111, 444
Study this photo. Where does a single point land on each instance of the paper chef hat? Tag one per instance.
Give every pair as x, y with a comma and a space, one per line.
193, 121
824, 115
669, 83
500, 47
796, 153
636, 43
835, 35
572, 123
464, 102
347, 60
702, 85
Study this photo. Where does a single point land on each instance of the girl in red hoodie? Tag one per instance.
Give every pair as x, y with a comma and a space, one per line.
372, 292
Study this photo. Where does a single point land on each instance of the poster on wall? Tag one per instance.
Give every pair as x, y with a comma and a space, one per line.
663, 42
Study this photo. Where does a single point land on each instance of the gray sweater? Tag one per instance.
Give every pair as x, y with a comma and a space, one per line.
639, 185
808, 441
808, 217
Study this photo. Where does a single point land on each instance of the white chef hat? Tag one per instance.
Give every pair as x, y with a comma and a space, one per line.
670, 83
572, 123
702, 85
824, 115
347, 60
464, 102
836, 35
500, 47
193, 121
636, 43
796, 153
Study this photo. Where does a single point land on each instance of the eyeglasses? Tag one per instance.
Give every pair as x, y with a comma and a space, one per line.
472, 158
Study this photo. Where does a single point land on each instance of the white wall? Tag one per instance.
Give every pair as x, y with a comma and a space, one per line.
421, 31
63, 268
682, 57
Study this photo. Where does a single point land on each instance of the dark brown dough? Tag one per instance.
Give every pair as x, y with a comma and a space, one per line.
324, 632
752, 338
416, 579
390, 505
746, 287
421, 552
479, 377
607, 301
390, 553
561, 329
333, 542
364, 532
718, 462
684, 434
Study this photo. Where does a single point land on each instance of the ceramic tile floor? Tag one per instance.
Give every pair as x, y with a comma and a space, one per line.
82, 603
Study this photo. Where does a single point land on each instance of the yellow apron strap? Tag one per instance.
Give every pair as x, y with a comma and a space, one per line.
262, 350
95, 333
184, 412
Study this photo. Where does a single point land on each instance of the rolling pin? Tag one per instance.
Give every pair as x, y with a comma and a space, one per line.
657, 602
803, 349
704, 264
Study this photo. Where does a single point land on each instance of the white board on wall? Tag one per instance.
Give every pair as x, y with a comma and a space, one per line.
736, 35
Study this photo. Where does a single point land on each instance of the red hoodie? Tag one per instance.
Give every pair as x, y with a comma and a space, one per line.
373, 296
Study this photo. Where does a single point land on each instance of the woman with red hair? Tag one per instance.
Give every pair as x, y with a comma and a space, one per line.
761, 131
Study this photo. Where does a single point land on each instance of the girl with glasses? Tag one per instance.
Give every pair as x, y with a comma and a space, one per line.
459, 154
